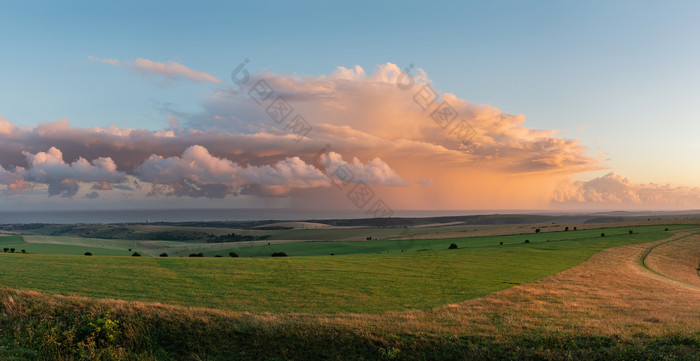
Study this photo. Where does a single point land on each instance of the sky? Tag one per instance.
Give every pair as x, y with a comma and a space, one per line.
372, 106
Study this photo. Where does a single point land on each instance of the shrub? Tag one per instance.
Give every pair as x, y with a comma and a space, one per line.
332, 254
233, 254
88, 254
164, 254
452, 246
129, 249
602, 234
666, 229
218, 255
537, 230
279, 254
631, 231
527, 241
102, 332
500, 243
200, 254
136, 254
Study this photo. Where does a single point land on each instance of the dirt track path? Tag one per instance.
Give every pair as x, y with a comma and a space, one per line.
677, 259
611, 294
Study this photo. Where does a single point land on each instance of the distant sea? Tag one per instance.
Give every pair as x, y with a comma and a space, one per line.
195, 215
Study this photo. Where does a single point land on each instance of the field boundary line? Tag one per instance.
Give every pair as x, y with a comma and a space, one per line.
643, 257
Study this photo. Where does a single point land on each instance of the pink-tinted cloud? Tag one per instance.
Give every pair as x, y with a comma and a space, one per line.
614, 189
387, 134
63, 178
198, 173
170, 70
373, 172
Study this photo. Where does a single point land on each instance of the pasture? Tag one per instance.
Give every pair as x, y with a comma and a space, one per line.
363, 277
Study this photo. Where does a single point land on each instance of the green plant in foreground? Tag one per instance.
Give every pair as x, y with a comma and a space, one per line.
102, 331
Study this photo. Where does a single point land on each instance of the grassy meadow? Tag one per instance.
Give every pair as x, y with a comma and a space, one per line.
561, 296
363, 277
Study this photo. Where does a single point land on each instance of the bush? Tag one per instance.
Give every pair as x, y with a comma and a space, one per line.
452, 246
136, 254
200, 254
631, 231
218, 255
233, 254
279, 254
527, 241
164, 254
88, 254
602, 234
500, 243
666, 229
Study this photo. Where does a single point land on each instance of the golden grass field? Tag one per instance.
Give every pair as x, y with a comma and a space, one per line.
631, 294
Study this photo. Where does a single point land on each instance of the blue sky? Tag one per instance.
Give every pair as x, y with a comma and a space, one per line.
622, 77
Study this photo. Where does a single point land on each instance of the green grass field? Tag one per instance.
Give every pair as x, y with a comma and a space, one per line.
368, 281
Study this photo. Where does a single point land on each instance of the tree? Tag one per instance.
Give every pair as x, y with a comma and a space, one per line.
527, 241
602, 234
574, 228
631, 231
24, 251
537, 230
6, 249
12, 250
452, 246
566, 229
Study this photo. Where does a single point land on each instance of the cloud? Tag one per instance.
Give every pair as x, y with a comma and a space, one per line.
171, 70
14, 180
373, 172
361, 121
92, 195
197, 173
6, 127
614, 189
63, 178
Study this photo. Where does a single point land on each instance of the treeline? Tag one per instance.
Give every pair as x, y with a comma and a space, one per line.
232, 237
178, 236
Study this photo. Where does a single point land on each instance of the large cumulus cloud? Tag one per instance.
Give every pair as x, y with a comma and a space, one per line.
62, 178
475, 156
617, 191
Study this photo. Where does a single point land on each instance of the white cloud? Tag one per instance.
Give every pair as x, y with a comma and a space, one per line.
170, 70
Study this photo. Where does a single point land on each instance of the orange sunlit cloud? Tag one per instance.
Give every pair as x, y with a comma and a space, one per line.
414, 147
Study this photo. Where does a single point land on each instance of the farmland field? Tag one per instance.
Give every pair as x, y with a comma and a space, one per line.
365, 276
562, 295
